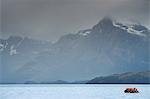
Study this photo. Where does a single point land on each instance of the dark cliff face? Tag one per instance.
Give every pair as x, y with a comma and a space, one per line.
106, 48
125, 78
105, 25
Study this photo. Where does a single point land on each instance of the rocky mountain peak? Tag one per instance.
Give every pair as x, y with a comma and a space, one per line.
104, 25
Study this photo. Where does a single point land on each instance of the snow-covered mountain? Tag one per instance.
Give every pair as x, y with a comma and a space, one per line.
17, 51
21, 45
108, 47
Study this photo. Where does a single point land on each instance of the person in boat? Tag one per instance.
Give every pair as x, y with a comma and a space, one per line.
131, 90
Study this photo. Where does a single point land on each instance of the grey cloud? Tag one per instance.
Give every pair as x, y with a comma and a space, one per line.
49, 19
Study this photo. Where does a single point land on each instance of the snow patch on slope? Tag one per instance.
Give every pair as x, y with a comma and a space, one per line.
129, 29
1, 47
13, 51
84, 32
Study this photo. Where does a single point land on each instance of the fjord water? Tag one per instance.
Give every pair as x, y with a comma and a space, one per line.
71, 91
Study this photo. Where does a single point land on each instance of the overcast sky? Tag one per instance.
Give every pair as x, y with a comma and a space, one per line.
49, 19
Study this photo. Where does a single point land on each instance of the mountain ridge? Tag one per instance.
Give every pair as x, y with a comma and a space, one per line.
119, 78
124, 78
104, 49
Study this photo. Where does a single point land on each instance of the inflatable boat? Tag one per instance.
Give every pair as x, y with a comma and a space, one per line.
131, 90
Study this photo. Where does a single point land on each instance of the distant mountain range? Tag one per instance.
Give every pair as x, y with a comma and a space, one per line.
124, 78
108, 47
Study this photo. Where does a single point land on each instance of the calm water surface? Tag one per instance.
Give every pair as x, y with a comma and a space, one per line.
72, 92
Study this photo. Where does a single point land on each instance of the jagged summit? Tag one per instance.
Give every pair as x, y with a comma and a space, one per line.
106, 21
105, 24
109, 25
